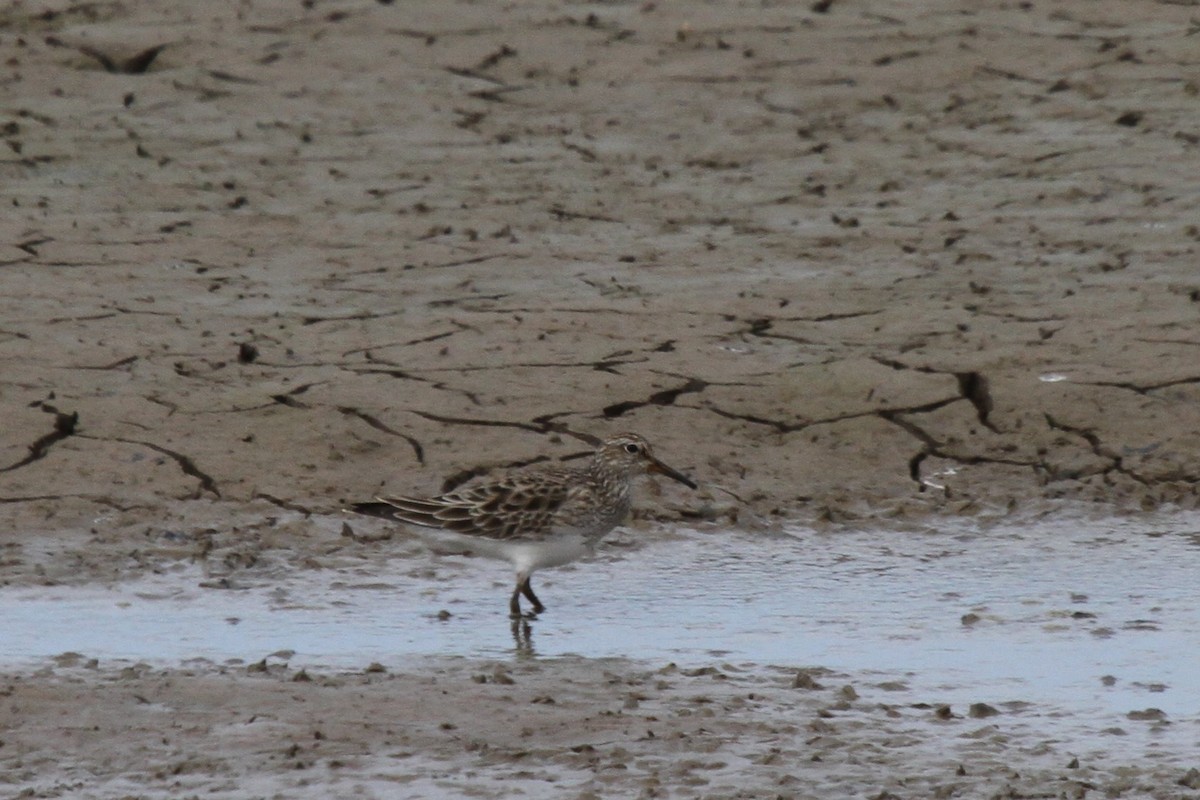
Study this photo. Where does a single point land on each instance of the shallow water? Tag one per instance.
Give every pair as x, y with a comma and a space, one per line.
1060, 606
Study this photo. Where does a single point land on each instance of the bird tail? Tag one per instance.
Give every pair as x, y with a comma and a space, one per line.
403, 509
374, 509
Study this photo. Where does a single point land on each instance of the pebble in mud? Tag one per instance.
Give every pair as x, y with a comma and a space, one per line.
981, 710
944, 713
1148, 714
805, 680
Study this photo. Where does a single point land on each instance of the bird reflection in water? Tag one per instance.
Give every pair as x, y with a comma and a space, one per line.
522, 633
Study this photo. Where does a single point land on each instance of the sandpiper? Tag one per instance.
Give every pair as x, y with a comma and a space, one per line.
535, 518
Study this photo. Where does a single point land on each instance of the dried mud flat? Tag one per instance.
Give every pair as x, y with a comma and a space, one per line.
846, 263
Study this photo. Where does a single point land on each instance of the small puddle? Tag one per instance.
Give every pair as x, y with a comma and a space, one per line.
1097, 617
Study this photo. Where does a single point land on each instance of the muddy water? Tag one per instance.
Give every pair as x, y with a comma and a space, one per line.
1096, 617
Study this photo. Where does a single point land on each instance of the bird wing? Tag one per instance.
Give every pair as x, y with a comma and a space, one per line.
523, 507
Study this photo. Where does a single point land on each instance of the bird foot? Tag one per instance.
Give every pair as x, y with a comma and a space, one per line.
525, 615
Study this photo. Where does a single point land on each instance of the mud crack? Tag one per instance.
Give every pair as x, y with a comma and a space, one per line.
1098, 448
457, 479
930, 446
185, 463
972, 385
489, 423
974, 389
375, 423
284, 504
666, 397
543, 424
784, 426
64, 426
289, 398
118, 364
1142, 389
779, 425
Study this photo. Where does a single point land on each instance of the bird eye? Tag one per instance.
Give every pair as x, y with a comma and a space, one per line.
632, 448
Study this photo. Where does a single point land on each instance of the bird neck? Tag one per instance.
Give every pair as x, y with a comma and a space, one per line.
609, 475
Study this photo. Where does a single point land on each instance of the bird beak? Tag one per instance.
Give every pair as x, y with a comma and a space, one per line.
663, 469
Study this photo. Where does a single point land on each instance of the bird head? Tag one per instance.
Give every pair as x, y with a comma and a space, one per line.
631, 455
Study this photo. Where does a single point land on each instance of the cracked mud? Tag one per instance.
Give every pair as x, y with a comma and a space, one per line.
847, 265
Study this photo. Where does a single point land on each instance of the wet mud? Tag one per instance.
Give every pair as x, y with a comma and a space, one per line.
951, 661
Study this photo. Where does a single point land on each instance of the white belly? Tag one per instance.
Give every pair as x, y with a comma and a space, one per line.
524, 555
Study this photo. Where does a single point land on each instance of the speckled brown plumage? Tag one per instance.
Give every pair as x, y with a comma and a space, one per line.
539, 517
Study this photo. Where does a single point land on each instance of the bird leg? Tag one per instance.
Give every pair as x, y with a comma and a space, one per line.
527, 590
514, 603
